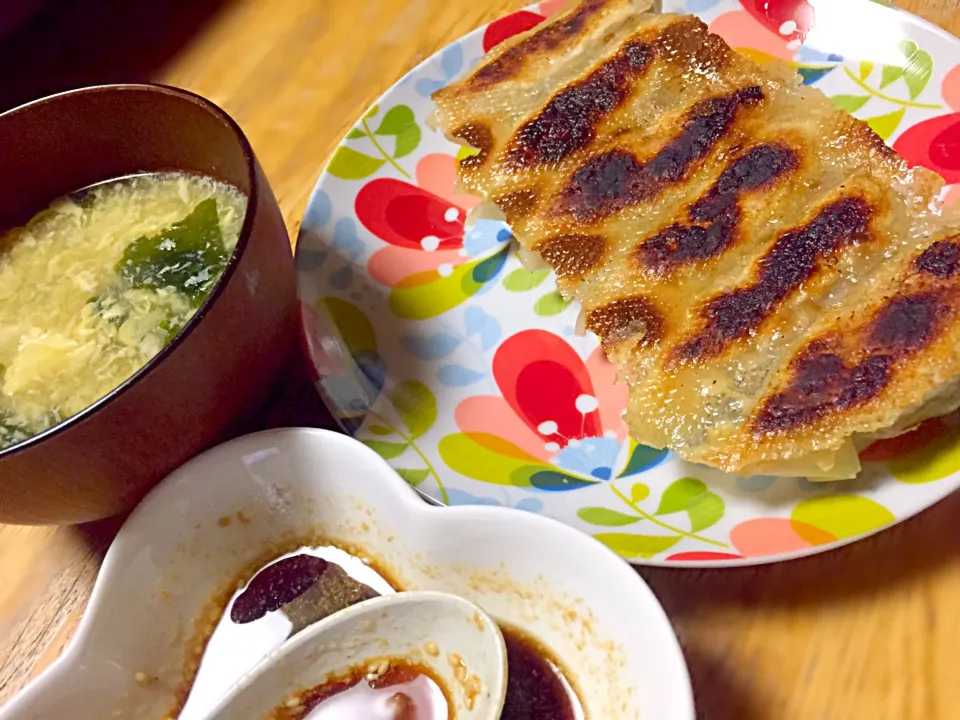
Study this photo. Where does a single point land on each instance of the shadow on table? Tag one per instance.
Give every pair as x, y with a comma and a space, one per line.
719, 692
72, 43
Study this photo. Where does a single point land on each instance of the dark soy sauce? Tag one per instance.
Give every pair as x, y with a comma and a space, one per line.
404, 691
304, 587
536, 687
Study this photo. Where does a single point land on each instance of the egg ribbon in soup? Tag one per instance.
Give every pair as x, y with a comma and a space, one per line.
94, 286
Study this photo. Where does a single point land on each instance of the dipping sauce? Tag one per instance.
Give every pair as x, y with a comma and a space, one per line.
536, 686
382, 689
97, 284
306, 586
281, 599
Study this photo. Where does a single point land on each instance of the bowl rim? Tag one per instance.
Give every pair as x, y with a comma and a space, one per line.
242, 241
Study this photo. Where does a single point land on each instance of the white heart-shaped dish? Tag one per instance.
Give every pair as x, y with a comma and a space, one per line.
180, 555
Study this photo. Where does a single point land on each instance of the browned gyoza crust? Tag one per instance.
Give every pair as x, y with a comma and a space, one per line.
770, 277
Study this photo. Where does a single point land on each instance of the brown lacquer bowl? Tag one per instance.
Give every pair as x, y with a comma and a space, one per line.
101, 461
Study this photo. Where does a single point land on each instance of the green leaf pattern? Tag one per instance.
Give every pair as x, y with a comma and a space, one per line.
908, 78
687, 495
637, 546
350, 164
679, 495
885, 125
398, 123
705, 510
521, 280
413, 477
605, 516
918, 68
550, 304
639, 492
415, 406
891, 73
386, 450
850, 103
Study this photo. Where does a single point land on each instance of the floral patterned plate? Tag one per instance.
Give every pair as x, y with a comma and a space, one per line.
433, 346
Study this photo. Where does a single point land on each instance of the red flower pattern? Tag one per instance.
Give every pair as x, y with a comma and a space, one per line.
777, 15
423, 224
410, 217
935, 144
549, 394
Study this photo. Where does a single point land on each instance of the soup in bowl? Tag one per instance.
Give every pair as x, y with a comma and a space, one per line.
146, 295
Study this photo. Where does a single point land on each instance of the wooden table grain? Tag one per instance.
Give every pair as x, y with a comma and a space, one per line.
869, 631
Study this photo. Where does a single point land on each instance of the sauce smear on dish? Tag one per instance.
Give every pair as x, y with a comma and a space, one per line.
388, 689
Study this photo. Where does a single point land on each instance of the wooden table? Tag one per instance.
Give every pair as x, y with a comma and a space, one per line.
870, 631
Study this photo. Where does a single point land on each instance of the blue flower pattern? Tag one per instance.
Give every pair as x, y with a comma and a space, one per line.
461, 497
594, 457
484, 236
451, 60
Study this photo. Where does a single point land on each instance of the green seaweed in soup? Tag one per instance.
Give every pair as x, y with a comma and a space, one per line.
178, 266
97, 284
188, 256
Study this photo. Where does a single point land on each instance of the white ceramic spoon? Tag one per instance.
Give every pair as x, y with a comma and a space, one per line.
457, 640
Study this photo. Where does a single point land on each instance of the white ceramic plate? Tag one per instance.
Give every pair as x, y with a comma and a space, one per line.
433, 346
245, 503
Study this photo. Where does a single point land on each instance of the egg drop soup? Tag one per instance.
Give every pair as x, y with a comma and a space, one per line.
98, 283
